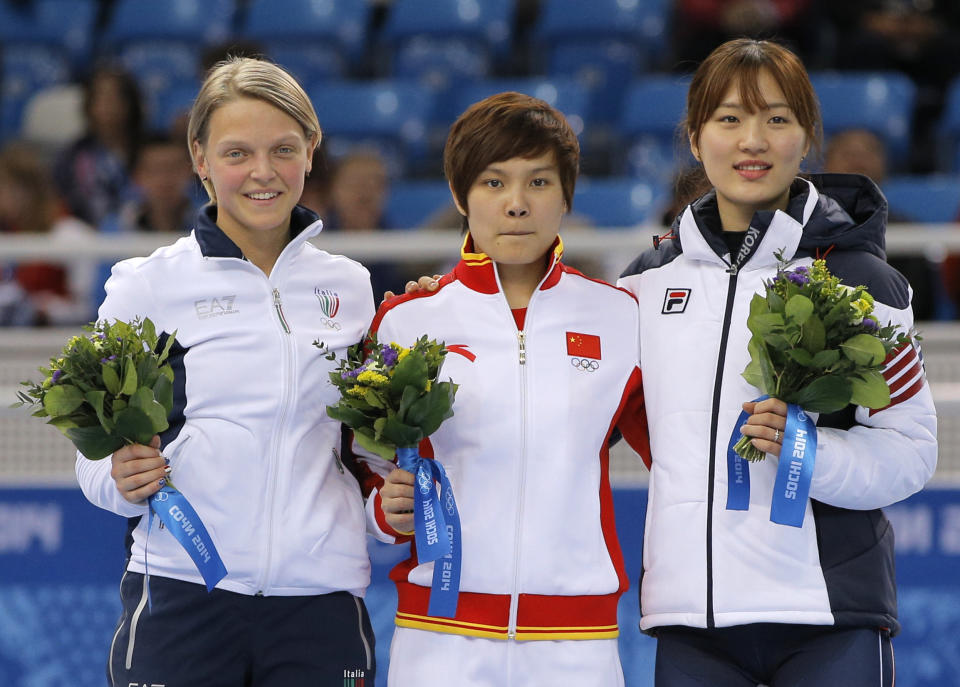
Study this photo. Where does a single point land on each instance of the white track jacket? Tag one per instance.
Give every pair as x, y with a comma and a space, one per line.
249, 441
526, 449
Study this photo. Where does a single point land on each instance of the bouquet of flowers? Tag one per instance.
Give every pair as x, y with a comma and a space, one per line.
391, 397
110, 388
115, 387
816, 344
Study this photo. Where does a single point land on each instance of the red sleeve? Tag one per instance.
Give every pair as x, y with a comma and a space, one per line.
632, 421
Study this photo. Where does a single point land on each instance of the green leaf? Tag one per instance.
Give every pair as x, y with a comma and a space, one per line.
93, 442
410, 394
411, 371
62, 399
826, 394
378, 425
401, 434
383, 449
129, 377
814, 336
825, 358
799, 308
143, 400
110, 378
165, 353
758, 305
776, 303
870, 390
439, 407
801, 357
373, 398
149, 333
353, 418
163, 392
134, 425
753, 374
864, 349
764, 324
759, 354
95, 398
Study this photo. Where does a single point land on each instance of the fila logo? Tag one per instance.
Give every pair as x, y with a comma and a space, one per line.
675, 301
215, 307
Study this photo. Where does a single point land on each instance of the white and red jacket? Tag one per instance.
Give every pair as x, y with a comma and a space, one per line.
526, 450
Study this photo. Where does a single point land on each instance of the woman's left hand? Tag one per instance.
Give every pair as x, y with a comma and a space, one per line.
765, 424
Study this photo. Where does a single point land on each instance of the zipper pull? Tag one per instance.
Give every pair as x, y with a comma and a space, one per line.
336, 455
522, 339
279, 308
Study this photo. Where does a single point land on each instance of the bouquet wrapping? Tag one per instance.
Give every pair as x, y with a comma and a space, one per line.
111, 388
392, 399
817, 346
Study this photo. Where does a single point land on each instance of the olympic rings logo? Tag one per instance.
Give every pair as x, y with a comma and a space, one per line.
585, 364
425, 482
161, 496
330, 324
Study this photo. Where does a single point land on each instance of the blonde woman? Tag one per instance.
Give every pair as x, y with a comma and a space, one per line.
249, 443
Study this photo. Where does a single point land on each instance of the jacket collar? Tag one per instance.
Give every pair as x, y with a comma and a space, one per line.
478, 271
304, 224
770, 232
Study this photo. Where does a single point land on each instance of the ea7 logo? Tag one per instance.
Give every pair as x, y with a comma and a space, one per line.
215, 307
675, 301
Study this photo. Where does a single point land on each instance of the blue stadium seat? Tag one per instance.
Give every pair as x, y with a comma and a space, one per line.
64, 27
617, 202
440, 42
603, 43
390, 115
950, 129
653, 107
924, 198
312, 39
879, 101
165, 106
411, 203
160, 43
25, 70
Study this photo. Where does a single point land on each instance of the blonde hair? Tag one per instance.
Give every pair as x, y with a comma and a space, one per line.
247, 77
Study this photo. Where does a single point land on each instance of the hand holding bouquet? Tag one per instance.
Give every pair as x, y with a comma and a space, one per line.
391, 397
115, 387
107, 389
816, 344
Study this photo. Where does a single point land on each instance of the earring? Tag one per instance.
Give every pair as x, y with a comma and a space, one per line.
203, 178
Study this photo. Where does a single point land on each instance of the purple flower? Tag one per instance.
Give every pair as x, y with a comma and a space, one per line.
869, 324
57, 374
798, 278
108, 359
389, 355
351, 374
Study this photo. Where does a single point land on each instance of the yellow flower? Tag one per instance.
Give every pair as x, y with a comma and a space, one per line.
356, 390
372, 378
429, 385
402, 353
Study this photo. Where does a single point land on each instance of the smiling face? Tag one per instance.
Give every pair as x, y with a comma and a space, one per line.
751, 158
256, 157
514, 208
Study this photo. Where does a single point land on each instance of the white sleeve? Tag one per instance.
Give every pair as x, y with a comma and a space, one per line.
889, 453
127, 297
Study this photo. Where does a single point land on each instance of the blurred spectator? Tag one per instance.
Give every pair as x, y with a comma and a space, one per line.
316, 187
93, 172
357, 195
701, 25
161, 199
920, 38
858, 151
36, 292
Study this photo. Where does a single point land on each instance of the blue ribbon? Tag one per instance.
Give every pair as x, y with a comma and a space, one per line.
179, 517
791, 488
436, 529
798, 454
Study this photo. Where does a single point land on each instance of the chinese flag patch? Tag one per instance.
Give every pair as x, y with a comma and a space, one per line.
583, 345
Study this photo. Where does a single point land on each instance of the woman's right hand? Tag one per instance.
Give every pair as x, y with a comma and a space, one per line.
139, 471
396, 499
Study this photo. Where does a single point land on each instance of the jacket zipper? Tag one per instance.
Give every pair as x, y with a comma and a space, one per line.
287, 353
714, 421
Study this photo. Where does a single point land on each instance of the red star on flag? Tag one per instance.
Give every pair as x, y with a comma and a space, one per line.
583, 345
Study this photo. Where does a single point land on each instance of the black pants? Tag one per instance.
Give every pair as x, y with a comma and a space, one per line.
778, 655
224, 639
